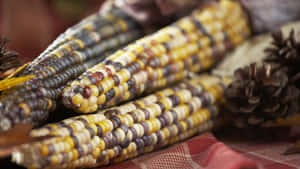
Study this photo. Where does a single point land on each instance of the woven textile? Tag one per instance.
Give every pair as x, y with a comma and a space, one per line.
268, 154
200, 152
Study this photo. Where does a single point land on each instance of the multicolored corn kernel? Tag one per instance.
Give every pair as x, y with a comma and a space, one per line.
192, 44
117, 132
78, 49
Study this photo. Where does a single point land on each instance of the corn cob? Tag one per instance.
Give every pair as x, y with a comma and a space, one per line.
78, 49
119, 133
193, 43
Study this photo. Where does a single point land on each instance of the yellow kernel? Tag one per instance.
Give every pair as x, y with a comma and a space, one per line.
93, 126
123, 24
101, 99
96, 152
49, 104
204, 41
150, 126
125, 75
107, 125
129, 119
85, 81
107, 84
126, 95
215, 92
206, 113
122, 134
124, 152
77, 99
138, 48
67, 147
101, 144
75, 154
110, 154
95, 91
117, 91
164, 37
53, 126
84, 105
155, 124
51, 69
92, 100
167, 132
91, 120
93, 108
88, 26
44, 150
25, 107
165, 103
184, 125
54, 160
180, 97
58, 53
121, 118
70, 141
79, 42
142, 65
140, 103
102, 125
186, 25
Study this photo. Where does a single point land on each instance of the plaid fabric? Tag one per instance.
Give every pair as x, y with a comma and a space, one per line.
200, 152
268, 154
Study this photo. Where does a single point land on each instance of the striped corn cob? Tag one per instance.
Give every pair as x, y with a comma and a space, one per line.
194, 43
119, 133
78, 49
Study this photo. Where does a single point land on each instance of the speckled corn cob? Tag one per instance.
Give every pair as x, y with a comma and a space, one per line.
150, 143
94, 140
193, 43
78, 49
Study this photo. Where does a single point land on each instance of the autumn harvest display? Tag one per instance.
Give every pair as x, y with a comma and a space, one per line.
128, 91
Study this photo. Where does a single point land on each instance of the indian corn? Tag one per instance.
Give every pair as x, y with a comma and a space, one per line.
78, 49
194, 43
119, 133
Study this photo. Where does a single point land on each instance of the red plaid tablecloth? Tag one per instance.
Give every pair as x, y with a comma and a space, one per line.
268, 155
206, 152
200, 152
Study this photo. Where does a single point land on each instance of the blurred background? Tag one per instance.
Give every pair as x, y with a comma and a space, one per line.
32, 25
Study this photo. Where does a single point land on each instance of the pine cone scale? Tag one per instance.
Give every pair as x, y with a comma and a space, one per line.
258, 94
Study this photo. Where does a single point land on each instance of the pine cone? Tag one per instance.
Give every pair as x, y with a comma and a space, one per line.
285, 53
259, 94
8, 59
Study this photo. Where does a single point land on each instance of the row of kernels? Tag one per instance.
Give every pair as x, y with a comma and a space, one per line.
168, 135
169, 118
72, 124
86, 28
138, 130
208, 65
58, 83
70, 32
132, 35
